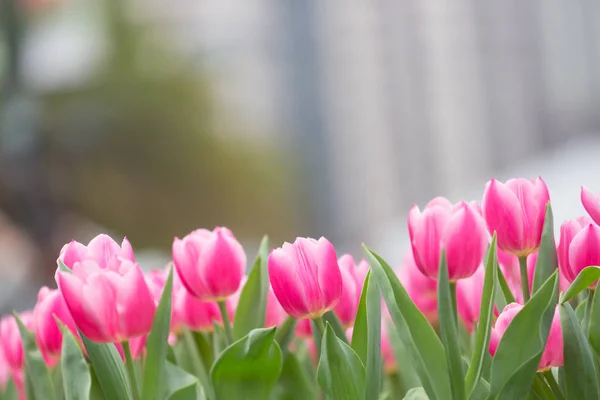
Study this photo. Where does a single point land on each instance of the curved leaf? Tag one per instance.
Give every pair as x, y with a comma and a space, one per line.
179, 385
419, 338
579, 367
520, 349
249, 368
547, 261
77, 381
109, 369
336, 325
293, 383
586, 277
416, 394
594, 331
340, 373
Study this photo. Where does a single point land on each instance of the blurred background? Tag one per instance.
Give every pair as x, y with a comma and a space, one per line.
288, 118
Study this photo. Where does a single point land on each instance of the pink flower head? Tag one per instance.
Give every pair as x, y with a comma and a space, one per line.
591, 203
515, 210
306, 277
210, 264
48, 335
196, 314
568, 230
10, 339
553, 352
353, 278
421, 289
563, 283
468, 298
460, 230
583, 251
156, 280
108, 305
102, 249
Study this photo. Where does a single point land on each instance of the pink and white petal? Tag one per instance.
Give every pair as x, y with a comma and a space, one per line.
286, 284
329, 276
134, 304
591, 203
502, 212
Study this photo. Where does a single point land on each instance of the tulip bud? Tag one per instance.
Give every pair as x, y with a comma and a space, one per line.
584, 249
196, 314
102, 249
210, 264
553, 352
108, 305
306, 277
468, 298
460, 230
156, 280
353, 277
10, 339
515, 210
568, 230
421, 289
591, 203
48, 335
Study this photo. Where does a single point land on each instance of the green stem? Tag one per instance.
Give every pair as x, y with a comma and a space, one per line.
553, 385
285, 334
131, 374
524, 278
226, 323
320, 325
588, 311
454, 302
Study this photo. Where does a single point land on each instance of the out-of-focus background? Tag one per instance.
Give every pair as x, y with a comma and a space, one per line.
292, 118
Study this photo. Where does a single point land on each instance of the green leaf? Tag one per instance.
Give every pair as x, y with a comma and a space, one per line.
481, 391
594, 331
10, 391
419, 337
579, 366
249, 368
482, 338
95, 389
366, 336
35, 367
547, 261
580, 310
416, 394
76, 378
285, 334
449, 331
518, 355
157, 344
586, 277
407, 375
336, 325
293, 383
109, 369
188, 357
340, 373
251, 309
507, 294
179, 385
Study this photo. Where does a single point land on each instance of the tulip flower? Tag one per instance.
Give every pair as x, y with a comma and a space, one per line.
591, 203
10, 339
421, 289
563, 283
108, 305
156, 280
353, 277
568, 231
516, 210
584, 250
306, 277
210, 264
48, 335
459, 230
468, 298
553, 352
102, 249
196, 314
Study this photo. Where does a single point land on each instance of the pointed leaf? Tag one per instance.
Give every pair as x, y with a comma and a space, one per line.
35, 367
76, 378
109, 369
189, 358
336, 325
419, 337
579, 367
482, 338
416, 394
547, 261
252, 306
157, 344
249, 368
520, 349
586, 277
594, 331
366, 336
340, 373
179, 385
294, 383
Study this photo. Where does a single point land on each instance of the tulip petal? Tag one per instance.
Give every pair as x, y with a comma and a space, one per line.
591, 203
285, 281
427, 239
502, 212
103, 249
584, 250
329, 276
72, 252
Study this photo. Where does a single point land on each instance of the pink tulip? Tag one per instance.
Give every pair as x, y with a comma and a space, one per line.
553, 352
584, 250
421, 289
516, 210
591, 203
468, 298
10, 339
304, 329
4, 372
156, 280
352, 281
48, 335
568, 230
196, 314
102, 249
210, 264
306, 277
459, 230
108, 305
563, 283
358, 271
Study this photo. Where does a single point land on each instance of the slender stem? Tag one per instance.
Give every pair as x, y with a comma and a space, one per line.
135, 389
524, 278
588, 311
553, 385
226, 323
320, 325
454, 303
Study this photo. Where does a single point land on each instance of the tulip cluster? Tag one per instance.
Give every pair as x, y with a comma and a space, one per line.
485, 304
